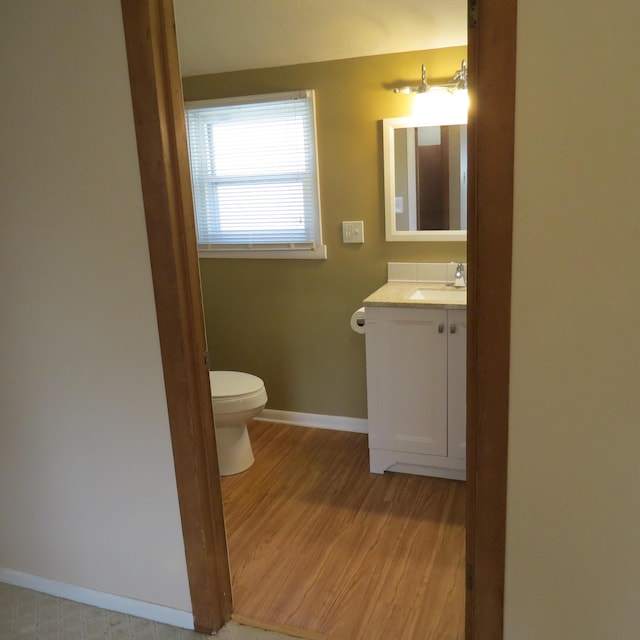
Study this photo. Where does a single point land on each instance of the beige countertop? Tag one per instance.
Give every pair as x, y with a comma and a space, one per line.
418, 294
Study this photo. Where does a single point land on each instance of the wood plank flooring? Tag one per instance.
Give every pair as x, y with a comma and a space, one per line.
322, 548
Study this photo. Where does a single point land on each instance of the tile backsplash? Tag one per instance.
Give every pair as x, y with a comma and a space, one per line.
443, 272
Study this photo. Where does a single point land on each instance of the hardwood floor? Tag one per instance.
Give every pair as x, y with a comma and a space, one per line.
321, 547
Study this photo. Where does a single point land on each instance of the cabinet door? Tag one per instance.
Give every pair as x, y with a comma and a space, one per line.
406, 379
457, 382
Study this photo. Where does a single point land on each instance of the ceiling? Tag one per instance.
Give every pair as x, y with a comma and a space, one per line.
230, 35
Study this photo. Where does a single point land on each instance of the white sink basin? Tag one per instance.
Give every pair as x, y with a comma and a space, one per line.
439, 295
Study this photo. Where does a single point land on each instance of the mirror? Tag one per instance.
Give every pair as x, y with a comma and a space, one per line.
425, 180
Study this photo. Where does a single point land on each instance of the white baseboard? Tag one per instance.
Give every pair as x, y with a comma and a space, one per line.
336, 423
139, 608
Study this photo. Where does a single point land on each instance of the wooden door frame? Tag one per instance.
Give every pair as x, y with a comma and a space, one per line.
158, 108
156, 91
492, 76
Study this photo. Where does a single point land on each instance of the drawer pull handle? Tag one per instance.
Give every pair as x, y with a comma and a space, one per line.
452, 328
441, 327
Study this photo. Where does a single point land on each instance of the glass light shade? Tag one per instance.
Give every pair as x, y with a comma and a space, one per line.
439, 105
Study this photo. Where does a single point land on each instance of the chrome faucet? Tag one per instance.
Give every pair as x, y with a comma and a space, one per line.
460, 277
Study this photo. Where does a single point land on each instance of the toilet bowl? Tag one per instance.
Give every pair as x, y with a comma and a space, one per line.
236, 398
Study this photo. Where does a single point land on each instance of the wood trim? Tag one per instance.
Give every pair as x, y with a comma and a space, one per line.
492, 53
248, 621
156, 91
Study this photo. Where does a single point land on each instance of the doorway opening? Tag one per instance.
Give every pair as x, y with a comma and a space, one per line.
155, 82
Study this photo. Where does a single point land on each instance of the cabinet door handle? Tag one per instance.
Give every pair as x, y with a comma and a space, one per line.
452, 328
441, 327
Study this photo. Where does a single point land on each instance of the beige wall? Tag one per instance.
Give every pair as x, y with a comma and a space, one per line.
87, 493
573, 535
87, 487
288, 321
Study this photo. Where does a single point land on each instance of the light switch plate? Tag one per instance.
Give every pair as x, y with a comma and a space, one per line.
353, 231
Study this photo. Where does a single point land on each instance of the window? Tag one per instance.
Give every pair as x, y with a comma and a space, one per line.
254, 176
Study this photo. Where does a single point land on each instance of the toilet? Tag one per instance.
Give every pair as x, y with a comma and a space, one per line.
236, 398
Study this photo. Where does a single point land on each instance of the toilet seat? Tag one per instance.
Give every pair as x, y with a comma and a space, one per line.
236, 391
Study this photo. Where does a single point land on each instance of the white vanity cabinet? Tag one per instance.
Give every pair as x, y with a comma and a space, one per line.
416, 389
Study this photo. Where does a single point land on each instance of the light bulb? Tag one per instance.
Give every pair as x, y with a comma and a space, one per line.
440, 106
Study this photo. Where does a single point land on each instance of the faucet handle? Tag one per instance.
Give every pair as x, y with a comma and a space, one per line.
460, 276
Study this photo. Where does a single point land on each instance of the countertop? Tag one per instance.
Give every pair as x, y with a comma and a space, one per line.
430, 294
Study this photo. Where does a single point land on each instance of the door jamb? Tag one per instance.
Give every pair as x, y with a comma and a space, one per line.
156, 92
492, 55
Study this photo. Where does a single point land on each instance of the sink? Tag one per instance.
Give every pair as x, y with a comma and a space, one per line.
439, 295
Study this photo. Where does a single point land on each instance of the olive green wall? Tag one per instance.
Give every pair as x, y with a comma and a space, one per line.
287, 321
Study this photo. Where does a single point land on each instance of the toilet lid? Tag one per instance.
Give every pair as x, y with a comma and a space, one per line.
233, 383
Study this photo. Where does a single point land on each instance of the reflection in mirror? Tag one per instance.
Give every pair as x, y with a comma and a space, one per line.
425, 168
431, 178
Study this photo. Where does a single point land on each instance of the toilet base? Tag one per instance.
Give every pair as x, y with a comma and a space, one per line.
234, 449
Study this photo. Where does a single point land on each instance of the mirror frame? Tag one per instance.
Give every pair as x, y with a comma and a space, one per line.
389, 126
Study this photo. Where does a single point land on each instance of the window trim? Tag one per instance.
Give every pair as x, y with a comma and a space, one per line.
315, 250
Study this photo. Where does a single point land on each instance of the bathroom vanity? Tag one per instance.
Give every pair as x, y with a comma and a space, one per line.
416, 379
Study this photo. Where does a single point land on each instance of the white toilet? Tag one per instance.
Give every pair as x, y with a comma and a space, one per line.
237, 398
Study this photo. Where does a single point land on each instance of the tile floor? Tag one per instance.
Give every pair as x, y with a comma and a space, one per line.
30, 615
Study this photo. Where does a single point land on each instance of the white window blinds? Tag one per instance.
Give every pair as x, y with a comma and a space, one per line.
254, 173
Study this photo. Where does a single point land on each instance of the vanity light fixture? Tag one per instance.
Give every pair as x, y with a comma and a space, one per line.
421, 88
457, 82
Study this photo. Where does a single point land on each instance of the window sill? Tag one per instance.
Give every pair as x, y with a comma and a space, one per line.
319, 253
